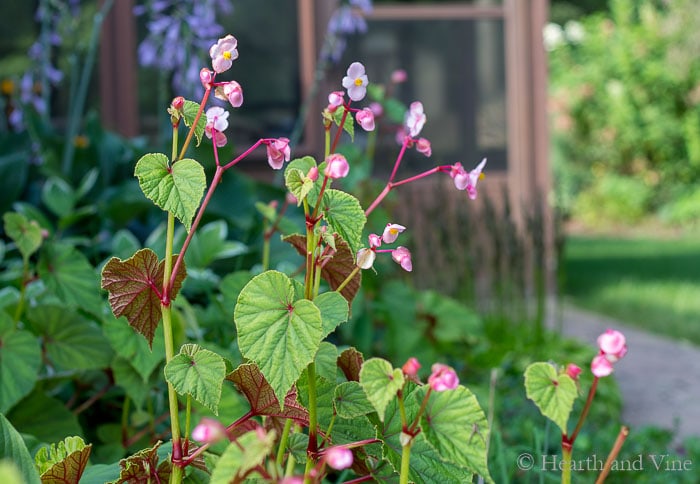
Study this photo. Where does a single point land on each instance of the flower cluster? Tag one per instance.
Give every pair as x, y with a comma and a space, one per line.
401, 255
612, 346
355, 82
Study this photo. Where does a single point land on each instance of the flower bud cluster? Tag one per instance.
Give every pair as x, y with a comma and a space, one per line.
613, 347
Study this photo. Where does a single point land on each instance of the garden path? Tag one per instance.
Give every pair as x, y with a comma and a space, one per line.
659, 378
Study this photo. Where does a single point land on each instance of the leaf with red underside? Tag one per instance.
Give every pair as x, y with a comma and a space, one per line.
249, 380
350, 361
63, 462
337, 269
143, 467
134, 287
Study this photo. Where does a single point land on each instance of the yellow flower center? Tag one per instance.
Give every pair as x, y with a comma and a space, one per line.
393, 231
481, 176
358, 82
227, 55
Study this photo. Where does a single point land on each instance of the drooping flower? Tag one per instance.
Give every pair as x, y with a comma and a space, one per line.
474, 176
365, 118
335, 100
612, 343
278, 152
411, 367
601, 366
223, 53
402, 256
337, 166
217, 122
391, 232
209, 431
356, 81
442, 378
234, 93
365, 258
423, 146
415, 119
206, 76
338, 458
375, 240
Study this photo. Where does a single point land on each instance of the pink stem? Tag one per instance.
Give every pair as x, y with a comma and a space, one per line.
406, 140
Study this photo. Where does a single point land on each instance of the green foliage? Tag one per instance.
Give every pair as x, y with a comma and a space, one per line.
380, 382
20, 359
345, 216
242, 456
199, 373
553, 393
189, 110
64, 462
25, 233
626, 109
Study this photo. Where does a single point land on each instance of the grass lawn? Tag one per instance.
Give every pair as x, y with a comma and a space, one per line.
649, 283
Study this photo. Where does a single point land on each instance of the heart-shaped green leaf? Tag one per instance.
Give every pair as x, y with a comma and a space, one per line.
380, 382
345, 216
132, 347
199, 373
278, 332
134, 287
176, 189
241, 456
350, 400
348, 125
455, 425
298, 184
189, 110
553, 394
20, 359
25, 233
334, 310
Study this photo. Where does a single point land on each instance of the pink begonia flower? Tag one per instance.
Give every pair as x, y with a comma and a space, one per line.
442, 378
278, 152
612, 343
365, 258
399, 76
391, 232
402, 256
423, 146
376, 109
234, 93
460, 176
365, 118
411, 367
217, 122
209, 431
335, 100
601, 366
338, 458
206, 76
292, 480
291, 199
313, 173
415, 119
375, 240
336, 166
573, 371
356, 81
474, 176
223, 53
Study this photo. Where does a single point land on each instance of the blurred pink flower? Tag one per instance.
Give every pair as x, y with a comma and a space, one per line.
402, 256
415, 119
411, 367
423, 146
338, 458
365, 118
442, 378
336, 166
278, 152
601, 366
209, 431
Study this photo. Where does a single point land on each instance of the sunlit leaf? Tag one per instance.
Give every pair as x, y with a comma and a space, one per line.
177, 189
553, 393
189, 110
242, 456
344, 215
134, 287
199, 373
63, 462
381, 382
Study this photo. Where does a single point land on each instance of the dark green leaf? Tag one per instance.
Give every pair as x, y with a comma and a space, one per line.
20, 359
12, 447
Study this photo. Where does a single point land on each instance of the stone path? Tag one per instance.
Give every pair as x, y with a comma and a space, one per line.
659, 378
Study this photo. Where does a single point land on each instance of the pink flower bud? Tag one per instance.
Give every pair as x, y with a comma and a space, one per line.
365, 118
291, 199
234, 93
313, 173
423, 146
338, 458
411, 367
278, 152
206, 76
375, 240
402, 256
601, 366
292, 480
442, 378
335, 100
178, 103
573, 371
365, 258
209, 431
391, 232
415, 119
612, 343
336, 166
399, 76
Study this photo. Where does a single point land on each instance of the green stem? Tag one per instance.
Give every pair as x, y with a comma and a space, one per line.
283, 442
566, 471
347, 279
266, 248
22, 291
405, 461
313, 430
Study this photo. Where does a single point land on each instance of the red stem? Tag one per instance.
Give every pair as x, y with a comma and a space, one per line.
346, 110
584, 413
